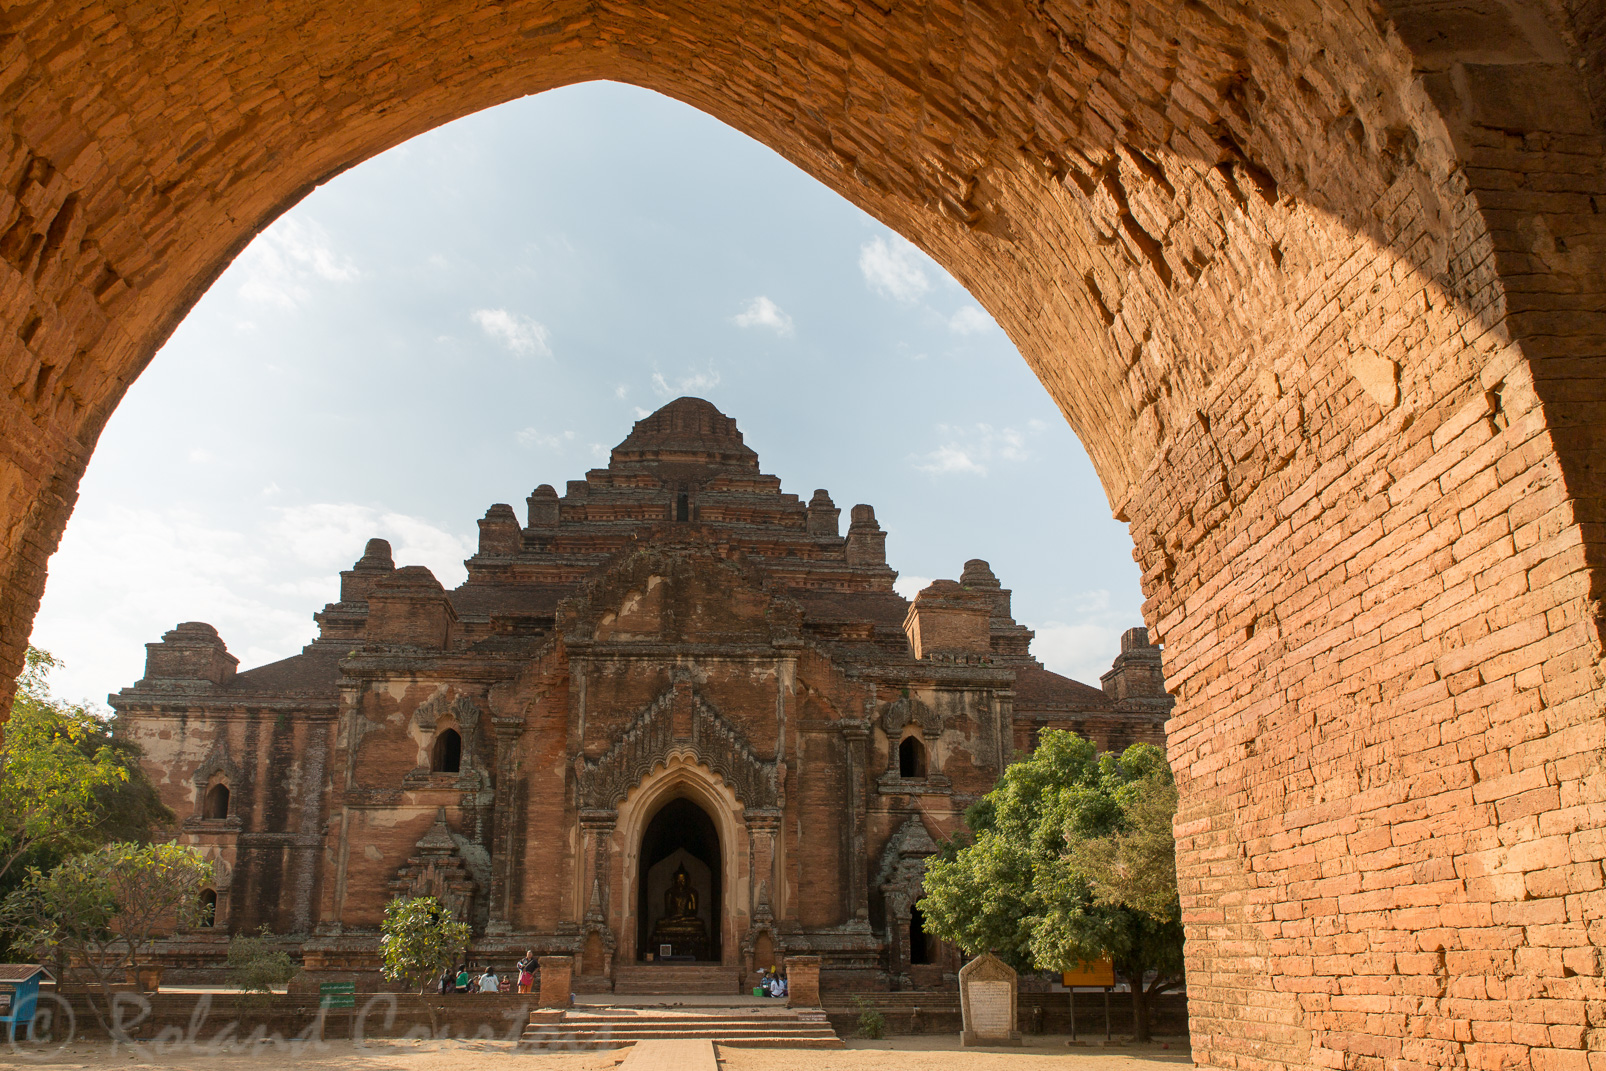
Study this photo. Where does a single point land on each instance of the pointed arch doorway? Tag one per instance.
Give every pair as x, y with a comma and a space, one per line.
680, 885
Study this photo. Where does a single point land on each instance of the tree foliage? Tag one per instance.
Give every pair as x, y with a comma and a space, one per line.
100, 910
1069, 859
419, 938
66, 783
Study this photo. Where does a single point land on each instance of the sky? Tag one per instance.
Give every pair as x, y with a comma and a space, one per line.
489, 307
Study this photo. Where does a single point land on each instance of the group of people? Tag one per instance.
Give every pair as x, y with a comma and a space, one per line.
772, 982
464, 980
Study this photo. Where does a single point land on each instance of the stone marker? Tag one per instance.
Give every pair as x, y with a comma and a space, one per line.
987, 1001
557, 973
802, 981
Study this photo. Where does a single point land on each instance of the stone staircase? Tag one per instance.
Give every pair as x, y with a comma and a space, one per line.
614, 1027
675, 979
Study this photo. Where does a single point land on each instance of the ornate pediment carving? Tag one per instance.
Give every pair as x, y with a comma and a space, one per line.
678, 721
438, 867
462, 710
903, 862
217, 762
908, 710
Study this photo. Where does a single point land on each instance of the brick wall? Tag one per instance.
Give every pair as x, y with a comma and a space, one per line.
1318, 285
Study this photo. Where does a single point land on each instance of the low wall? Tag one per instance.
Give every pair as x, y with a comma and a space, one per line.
190, 1023
1038, 1013
209, 1022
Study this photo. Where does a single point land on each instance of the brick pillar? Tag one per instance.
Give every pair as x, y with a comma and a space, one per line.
762, 826
505, 828
802, 981
856, 734
557, 981
596, 830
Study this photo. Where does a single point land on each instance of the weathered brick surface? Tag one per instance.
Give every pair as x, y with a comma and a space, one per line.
1318, 284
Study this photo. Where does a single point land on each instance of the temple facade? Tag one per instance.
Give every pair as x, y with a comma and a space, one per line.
673, 716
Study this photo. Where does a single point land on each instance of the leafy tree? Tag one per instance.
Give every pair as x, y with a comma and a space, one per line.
100, 910
419, 938
57, 770
258, 963
1070, 859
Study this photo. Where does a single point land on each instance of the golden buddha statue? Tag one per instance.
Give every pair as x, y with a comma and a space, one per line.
679, 927
680, 899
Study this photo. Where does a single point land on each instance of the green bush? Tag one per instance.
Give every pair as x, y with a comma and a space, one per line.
257, 964
872, 1024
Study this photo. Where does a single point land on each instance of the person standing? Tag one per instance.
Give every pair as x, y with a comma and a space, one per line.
526, 969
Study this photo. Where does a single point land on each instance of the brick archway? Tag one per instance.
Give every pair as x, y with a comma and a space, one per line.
1318, 285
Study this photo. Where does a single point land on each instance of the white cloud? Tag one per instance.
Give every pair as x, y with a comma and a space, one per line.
762, 312
519, 333
545, 440
692, 383
969, 450
893, 269
1082, 643
280, 266
969, 320
620, 391
258, 581
334, 533
1082, 650
910, 586
949, 459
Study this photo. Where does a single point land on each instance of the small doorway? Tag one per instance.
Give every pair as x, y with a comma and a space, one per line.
919, 943
678, 887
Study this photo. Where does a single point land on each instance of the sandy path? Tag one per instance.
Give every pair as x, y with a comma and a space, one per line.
937, 1053
943, 1053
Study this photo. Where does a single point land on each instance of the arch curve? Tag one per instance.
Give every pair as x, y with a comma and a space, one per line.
683, 776
1335, 357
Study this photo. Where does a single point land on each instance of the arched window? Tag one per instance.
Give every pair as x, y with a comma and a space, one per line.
217, 802
919, 944
208, 908
448, 752
911, 757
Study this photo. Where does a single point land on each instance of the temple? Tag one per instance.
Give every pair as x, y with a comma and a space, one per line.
674, 719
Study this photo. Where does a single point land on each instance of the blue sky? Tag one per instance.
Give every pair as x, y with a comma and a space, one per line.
489, 307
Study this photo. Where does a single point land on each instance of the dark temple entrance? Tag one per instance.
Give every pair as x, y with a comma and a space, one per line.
678, 885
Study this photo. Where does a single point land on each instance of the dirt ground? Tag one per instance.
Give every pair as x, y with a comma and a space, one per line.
943, 1053
926, 1053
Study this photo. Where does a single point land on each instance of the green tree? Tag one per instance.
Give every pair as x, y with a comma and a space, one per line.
1069, 859
100, 910
58, 770
419, 938
68, 784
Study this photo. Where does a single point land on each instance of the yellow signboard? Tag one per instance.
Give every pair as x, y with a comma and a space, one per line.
1100, 973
